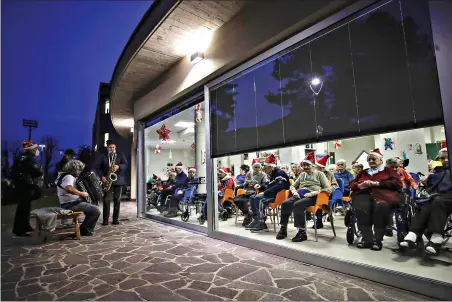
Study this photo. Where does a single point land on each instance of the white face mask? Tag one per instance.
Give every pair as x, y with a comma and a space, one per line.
37, 153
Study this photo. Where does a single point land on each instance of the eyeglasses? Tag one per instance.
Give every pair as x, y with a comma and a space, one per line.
339, 164
372, 159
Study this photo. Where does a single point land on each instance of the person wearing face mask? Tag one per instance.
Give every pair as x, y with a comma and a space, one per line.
72, 199
25, 173
376, 193
304, 194
252, 178
433, 214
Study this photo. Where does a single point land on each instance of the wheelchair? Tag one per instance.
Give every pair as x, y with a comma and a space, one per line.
190, 200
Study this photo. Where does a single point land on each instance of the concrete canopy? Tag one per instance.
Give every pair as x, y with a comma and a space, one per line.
152, 49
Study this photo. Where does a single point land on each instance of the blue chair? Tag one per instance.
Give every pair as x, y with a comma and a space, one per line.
336, 196
415, 177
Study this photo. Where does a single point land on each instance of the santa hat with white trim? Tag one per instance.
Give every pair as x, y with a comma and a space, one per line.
309, 159
322, 161
191, 169
29, 145
377, 153
224, 170
256, 162
179, 165
270, 161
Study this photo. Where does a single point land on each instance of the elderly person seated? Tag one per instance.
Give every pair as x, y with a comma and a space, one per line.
72, 199
376, 193
295, 170
180, 193
433, 214
253, 178
304, 194
332, 168
344, 174
357, 168
286, 168
240, 179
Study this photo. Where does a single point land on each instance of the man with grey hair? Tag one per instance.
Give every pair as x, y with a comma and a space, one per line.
72, 199
344, 174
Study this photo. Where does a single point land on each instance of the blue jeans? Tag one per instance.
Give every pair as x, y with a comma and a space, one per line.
254, 203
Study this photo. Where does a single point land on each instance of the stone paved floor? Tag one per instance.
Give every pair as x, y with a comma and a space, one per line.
145, 260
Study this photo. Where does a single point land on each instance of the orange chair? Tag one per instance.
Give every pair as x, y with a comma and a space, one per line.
322, 203
228, 195
236, 209
273, 207
291, 181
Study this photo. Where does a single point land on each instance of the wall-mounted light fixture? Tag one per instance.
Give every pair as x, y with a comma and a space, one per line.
196, 57
131, 129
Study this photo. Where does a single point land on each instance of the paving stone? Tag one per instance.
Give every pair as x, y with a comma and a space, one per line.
100, 271
53, 278
41, 296
223, 292
357, 294
8, 295
57, 285
263, 288
71, 287
115, 256
383, 297
11, 285
95, 257
196, 295
157, 292
201, 277
190, 260
135, 258
260, 277
24, 282
302, 294
53, 265
86, 289
120, 264
156, 278
203, 286
28, 290
165, 267
249, 295
179, 250
269, 297
78, 297
55, 271
158, 247
131, 283
33, 271
114, 278
205, 268
280, 273
228, 257
126, 249
329, 292
236, 270
103, 289
218, 281
99, 264
174, 284
11, 278
75, 259
212, 258
290, 283
136, 267
256, 263
79, 269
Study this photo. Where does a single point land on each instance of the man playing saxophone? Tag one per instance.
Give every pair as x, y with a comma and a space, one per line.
111, 169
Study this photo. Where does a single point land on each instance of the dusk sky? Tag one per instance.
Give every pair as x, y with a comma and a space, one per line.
54, 54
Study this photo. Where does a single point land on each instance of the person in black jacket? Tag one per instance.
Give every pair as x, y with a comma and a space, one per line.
279, 180
25, 173
67, 156
119, 167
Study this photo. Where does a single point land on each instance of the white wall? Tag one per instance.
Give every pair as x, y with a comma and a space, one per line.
437, 134
157, 163
351, 148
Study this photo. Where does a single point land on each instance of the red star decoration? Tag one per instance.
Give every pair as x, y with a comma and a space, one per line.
163, 133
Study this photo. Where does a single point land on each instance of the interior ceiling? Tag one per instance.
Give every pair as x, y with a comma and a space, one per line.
160, 51
181, 142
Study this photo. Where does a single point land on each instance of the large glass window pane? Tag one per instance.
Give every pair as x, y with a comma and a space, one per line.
336, 110
297, 97
245, 112
213, 122
381, 71
268, 105
226, 118
422, 64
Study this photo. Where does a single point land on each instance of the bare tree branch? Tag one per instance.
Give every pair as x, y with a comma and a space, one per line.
51, 144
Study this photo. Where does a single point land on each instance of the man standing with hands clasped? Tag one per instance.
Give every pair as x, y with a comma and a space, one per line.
119, 167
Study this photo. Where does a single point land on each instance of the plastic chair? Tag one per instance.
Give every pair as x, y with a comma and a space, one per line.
274, 206
322, 203
291, 181
337, 195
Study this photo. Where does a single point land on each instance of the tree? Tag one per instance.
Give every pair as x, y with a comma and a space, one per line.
14, 147
51, 144
5, 159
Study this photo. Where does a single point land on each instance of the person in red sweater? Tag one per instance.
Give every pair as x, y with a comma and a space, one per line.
376, 192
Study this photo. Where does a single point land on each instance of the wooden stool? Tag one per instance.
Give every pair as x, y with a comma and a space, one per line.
74, 216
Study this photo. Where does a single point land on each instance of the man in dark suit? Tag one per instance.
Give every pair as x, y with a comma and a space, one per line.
119, 167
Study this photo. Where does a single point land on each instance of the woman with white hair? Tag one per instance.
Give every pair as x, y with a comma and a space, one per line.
344, 174
72, 199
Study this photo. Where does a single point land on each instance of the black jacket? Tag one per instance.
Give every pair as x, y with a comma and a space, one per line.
103, 167
25, 173
279, 180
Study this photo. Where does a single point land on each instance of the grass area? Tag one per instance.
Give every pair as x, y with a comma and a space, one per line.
8, 211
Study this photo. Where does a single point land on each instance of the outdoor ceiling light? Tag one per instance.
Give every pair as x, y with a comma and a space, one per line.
315, 81
314, 85
184, 124
196, 57
131, 129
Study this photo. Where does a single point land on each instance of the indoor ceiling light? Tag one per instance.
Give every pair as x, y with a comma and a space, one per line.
184, 124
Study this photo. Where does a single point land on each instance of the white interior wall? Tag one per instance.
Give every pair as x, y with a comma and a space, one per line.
437, 134
351, 148
157, 163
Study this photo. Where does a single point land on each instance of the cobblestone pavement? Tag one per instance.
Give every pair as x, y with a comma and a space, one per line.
145, 260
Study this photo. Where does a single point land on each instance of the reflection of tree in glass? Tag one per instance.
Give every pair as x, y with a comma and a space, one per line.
225, 106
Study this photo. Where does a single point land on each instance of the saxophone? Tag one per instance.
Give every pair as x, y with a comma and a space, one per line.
111, 175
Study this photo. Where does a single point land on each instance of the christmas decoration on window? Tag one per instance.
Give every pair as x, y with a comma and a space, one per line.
337, 144
163, 133
157, 149
388, 143
193, 147
170, 154
198, 113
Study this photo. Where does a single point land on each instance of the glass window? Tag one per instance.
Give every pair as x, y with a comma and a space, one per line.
106, 138
107, 107
226, 122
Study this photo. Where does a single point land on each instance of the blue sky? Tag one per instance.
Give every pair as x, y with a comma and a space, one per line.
54, 54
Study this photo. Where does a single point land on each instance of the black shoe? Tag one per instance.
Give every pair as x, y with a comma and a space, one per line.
260, 227
364, 244
319, 224
105, 222
389, 232
252, 224
116, 222
377, 246
301, 236
246, 221
25, 234
85, 232
170, 214
282, 233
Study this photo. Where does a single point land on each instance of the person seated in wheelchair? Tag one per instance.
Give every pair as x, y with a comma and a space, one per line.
376, 193
167, 188
152, 187
182, 192
240, 179
253, 178
225, 182
434, 210
278, 180
304, 194
320, 166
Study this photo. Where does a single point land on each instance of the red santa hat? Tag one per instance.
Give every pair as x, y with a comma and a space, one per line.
179, 165
172, 171
190, 169
322, 161
224, 170
29, 145
443, 144
155, 176
309, 159
376, 152
256, 162
270, 161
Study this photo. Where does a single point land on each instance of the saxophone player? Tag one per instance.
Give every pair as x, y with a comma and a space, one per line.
111, 170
